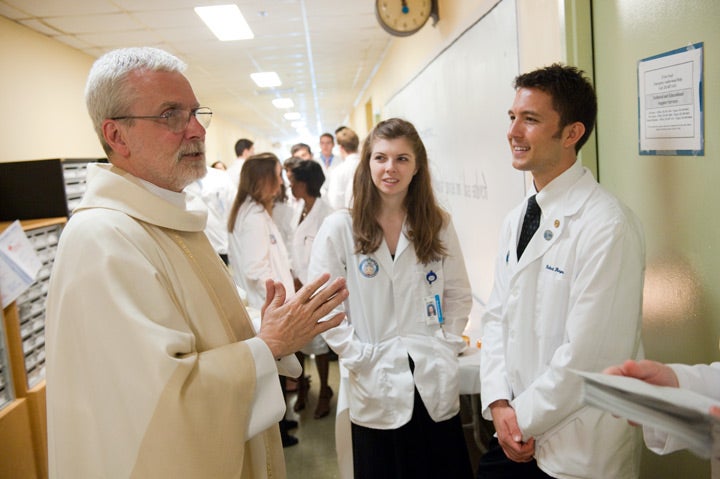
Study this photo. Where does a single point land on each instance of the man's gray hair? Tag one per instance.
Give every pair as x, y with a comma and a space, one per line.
107, 94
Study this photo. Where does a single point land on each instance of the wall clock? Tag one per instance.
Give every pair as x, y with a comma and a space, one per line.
405, 17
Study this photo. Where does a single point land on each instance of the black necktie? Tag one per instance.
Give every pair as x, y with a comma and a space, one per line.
529, 226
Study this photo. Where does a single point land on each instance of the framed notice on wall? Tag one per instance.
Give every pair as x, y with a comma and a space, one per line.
670, 103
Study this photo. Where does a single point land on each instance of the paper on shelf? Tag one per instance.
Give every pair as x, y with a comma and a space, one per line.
19, 263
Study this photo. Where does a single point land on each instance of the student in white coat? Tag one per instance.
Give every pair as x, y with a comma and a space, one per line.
571, 300
256, 249
399, 252
306, 180
255, 246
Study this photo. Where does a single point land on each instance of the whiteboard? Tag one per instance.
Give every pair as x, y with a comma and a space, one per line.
459, 105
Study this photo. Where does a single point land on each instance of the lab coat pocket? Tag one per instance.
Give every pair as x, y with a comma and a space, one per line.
370, 393
448, 378
569, 446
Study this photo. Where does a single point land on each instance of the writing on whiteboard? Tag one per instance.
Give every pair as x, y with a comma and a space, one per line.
474, 187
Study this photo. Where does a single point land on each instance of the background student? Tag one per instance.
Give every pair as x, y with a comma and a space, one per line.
306, 182
256, 247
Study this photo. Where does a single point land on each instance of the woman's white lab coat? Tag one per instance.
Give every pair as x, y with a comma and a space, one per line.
304, 236
387, 321
303, 239
257, 253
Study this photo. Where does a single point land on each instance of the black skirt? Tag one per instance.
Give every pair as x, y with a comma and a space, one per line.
422, 448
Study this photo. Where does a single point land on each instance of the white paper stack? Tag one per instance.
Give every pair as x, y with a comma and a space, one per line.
682, 413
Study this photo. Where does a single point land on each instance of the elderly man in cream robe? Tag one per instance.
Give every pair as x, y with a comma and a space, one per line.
153, 366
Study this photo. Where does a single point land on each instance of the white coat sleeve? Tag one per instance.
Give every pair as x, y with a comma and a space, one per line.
457, 294
336, 187
329, 253
602, 321
493, 372
253, 241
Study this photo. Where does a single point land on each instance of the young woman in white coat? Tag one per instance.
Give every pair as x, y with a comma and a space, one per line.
399, 252
305, 181
255, 247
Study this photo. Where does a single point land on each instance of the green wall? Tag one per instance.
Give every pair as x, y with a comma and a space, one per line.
676, 197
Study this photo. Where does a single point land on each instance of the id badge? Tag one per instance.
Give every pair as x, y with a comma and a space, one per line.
433, 310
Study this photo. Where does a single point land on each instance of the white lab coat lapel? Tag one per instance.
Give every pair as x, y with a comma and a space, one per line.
383, 256
403, 241
554, 220
540, 242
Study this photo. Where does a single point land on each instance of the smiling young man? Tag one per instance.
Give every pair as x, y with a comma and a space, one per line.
153, 366
567, 295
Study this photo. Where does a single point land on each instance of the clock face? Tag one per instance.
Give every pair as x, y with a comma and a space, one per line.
402, 17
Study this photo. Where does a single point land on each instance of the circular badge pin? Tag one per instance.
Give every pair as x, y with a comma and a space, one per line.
431, 277
369, 268
548, 235
557, 223
272, 239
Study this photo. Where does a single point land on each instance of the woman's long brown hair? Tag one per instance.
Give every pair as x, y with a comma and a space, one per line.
257, 171
425, 218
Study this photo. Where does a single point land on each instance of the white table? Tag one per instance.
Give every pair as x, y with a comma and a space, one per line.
470, 397
470, 371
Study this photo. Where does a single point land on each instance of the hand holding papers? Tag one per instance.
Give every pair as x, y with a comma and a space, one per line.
678, 412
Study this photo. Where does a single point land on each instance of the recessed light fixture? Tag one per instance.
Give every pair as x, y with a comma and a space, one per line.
292, 115
283, 103
266, 79
226, 22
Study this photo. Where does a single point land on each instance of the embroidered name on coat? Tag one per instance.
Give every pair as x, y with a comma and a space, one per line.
554, 269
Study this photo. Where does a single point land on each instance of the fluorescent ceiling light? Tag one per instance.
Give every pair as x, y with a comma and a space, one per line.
293, 115
298, 124
266, 79
283, 103
226, 22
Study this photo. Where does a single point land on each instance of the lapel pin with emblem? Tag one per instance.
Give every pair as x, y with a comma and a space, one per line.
548, 235
369, 267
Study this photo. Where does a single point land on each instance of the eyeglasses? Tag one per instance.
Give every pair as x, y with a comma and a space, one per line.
177, 120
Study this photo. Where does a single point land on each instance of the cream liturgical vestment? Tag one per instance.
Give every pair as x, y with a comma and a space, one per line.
152, 364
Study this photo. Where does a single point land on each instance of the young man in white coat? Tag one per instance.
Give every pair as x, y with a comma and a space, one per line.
571, 300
